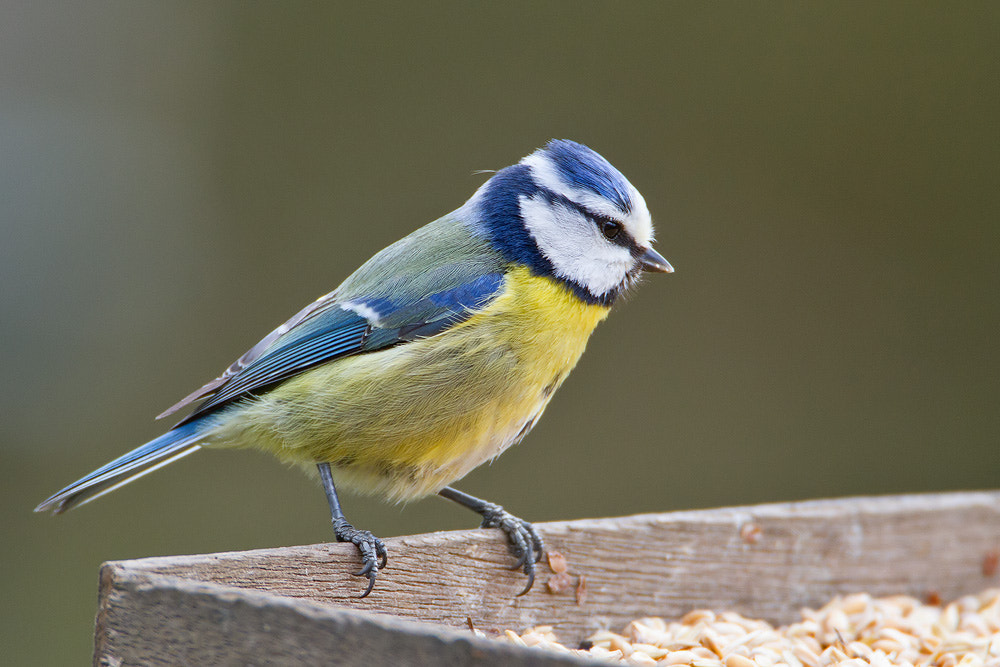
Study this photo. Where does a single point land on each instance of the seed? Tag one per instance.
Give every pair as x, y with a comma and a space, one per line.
711, 641
697, 616
859, 649
653, 651
854, 662
970, 660
887, 646
559, 582
513, 636
680, 658
851, 631
739, 661
619, 643
581, 589
751, 533
705, 662
990, 562
557, 562
855, 604
806, 655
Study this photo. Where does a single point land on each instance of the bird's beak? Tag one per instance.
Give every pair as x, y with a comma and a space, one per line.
654, 261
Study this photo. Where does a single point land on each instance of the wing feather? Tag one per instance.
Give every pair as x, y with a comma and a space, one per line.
325, 331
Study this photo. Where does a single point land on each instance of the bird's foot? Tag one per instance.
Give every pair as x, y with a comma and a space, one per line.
373, 553
525, 541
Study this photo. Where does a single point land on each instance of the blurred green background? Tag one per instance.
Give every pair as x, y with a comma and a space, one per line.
178, 178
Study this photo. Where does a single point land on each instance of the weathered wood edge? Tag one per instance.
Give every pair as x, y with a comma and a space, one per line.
765, 561
150, 619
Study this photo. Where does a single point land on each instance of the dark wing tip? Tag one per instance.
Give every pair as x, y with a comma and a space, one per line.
44, 507
57, 504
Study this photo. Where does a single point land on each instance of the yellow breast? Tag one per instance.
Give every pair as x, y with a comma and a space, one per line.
411, 419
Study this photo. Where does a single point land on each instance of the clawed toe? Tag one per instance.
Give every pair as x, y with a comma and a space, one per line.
372, 549
525, 542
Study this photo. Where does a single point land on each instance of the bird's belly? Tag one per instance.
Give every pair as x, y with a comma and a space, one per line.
408, 420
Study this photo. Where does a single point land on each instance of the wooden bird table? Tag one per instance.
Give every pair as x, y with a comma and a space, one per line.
299, 605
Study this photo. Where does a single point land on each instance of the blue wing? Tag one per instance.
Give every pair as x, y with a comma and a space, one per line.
332, 328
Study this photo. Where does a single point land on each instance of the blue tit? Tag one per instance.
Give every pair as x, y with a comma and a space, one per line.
435, 356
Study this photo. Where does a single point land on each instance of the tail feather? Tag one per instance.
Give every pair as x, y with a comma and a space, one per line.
155, 454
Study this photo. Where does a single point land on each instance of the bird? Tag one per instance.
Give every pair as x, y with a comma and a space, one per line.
436, 355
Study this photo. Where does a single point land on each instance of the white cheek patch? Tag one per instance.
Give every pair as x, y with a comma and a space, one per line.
575, 247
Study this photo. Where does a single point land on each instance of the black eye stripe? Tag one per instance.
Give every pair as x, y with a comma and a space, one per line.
599, 220
620, 237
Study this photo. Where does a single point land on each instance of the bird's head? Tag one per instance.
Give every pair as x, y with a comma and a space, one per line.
565, 212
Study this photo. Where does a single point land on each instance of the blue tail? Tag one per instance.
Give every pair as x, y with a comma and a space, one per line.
169, 447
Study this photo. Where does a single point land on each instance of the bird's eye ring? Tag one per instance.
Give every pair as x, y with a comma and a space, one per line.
611, 229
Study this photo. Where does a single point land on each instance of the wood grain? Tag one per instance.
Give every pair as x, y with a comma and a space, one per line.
764, 561
152, 620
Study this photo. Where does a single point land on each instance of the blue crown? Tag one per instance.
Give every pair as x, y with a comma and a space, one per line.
584, 168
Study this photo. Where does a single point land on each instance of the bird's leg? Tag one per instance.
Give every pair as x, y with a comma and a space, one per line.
373, 553
525, 541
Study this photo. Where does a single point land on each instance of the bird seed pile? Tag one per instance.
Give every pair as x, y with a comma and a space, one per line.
852, 631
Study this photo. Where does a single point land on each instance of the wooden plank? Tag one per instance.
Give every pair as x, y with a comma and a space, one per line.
765, 561
153, 620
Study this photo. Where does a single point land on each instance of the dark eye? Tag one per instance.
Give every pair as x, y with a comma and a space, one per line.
611, 229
